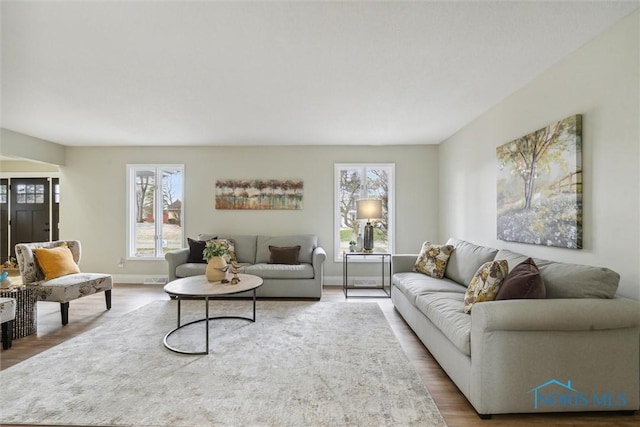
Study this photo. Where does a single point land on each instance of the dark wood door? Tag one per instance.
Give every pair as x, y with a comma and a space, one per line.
30, 201
4, 220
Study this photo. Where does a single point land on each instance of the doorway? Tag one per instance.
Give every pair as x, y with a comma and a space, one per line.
28, 213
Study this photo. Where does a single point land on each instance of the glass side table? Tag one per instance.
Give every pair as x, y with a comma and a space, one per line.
385, 261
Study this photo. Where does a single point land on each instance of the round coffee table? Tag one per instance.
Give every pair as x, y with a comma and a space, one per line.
196, 287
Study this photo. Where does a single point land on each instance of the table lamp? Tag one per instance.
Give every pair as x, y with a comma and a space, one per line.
368, 209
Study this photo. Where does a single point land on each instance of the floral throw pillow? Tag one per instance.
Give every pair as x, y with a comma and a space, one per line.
433, 259
230, 256
485, 284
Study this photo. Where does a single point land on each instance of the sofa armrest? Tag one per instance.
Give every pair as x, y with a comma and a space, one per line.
176, 258
518, 346
318, 257
566, 314
402, 262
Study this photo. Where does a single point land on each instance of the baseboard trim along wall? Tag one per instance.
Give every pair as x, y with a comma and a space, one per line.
162, 280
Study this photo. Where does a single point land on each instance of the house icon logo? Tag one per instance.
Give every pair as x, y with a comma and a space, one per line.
555, 393
538, 390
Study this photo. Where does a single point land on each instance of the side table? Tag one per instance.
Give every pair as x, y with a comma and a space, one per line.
385, 259
25, 322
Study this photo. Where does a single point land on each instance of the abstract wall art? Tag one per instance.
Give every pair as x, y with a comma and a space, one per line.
259, 194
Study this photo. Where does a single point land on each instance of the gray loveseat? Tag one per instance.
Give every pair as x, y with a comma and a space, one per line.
304, 280
576, 350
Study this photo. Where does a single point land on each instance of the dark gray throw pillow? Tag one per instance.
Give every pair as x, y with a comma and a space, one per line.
523, 282
196, 247
284, 255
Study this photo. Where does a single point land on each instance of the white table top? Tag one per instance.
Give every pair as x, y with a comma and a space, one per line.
198, 286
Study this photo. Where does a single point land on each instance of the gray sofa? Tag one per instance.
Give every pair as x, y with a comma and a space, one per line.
576, 350
280, 280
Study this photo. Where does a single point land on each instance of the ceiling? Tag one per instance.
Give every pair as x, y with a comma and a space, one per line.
276, 73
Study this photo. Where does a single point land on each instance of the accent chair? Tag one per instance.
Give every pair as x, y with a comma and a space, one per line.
63, 288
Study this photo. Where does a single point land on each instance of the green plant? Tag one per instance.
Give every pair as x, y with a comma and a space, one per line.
352, 242
214, 248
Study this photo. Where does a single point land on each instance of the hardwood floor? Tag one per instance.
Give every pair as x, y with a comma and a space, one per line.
89, 312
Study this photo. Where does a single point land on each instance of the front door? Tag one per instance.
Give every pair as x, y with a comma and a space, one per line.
29, 211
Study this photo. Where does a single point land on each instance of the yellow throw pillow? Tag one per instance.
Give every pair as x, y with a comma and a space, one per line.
56, 262
485, 284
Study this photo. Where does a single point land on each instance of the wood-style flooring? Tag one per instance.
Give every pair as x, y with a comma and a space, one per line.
89, 312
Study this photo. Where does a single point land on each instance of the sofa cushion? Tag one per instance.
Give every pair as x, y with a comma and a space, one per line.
466, 259
245, 245
56, 262
414, 284
523, 282
196, 247
190, 269
432, 259
485, 283
284, 255
280, 271
446, 311
564, 280
307, 242
512, 258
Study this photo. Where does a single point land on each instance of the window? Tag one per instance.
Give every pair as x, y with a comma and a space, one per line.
3, 194
30, 193
155, 210
363, 181
56, 193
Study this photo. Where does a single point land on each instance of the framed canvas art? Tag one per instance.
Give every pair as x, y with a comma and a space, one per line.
259, 194
539, 186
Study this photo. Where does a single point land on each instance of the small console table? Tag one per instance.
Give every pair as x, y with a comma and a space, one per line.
385, 260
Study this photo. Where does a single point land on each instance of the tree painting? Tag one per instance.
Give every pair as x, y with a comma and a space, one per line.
259, 194
539, 186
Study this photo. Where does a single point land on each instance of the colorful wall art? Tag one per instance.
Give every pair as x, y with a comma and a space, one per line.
259, 194
539, 186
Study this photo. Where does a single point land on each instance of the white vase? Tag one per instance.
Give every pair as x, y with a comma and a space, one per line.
216, 269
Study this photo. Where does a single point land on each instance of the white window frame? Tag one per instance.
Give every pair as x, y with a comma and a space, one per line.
158, 208
391, 168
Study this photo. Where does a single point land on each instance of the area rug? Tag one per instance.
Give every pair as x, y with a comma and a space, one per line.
300, 364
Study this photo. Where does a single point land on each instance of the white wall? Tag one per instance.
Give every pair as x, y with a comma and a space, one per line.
93, 195
28, 147
13, 167
599, 81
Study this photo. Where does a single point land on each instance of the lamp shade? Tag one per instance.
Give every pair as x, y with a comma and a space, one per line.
368, 209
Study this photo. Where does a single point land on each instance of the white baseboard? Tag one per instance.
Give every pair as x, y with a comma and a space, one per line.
355, 281
147, 279
332, 280
162, 280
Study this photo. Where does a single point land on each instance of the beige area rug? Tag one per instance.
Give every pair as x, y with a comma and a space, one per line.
301, 364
